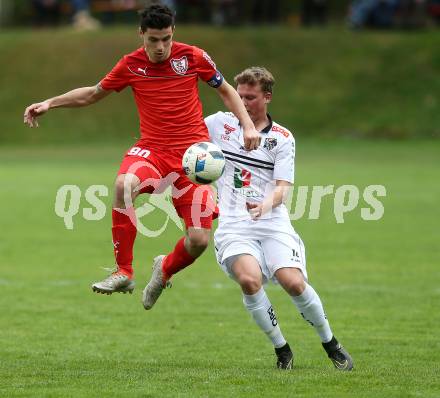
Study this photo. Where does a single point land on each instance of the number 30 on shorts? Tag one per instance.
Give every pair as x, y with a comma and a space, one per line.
137, 151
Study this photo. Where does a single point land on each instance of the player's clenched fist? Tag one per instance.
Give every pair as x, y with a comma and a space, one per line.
255, 210
33, 111
252, 139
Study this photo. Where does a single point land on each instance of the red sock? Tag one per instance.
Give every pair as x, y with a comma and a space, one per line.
177, 260
124, 234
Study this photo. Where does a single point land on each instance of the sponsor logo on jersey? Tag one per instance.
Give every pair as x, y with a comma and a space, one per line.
270, 143
242, 178
228, 129
281, 130
247, 193
180, 65
144, 70
138, 69
210, 61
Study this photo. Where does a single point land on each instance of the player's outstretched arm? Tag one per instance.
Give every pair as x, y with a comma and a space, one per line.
233, 102
79, 97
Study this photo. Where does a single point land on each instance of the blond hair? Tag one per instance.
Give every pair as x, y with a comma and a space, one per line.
256, 75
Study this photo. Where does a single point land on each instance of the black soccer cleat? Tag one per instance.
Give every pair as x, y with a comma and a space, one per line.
338, 355
284, 357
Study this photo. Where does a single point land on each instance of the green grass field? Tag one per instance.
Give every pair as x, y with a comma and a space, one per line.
379, 282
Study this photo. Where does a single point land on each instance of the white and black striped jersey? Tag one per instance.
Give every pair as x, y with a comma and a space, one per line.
250, 176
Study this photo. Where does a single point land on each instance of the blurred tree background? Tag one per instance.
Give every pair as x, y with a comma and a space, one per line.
332, 81
19, 11
233, 12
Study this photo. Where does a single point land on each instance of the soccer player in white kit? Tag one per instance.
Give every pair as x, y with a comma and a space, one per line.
255, 241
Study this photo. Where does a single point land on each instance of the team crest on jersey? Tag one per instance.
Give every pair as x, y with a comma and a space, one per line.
180, 65
270, 143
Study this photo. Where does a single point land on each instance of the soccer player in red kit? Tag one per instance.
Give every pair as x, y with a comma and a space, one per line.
163, 76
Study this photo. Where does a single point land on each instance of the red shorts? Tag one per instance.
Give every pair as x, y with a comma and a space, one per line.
157, 169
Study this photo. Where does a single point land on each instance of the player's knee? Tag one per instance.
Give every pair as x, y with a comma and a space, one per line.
296, 286
292, 280
120, 189
125, 189
198, 241
250, 284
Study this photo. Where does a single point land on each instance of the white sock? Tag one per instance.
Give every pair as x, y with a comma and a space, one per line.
310, 307
259, 306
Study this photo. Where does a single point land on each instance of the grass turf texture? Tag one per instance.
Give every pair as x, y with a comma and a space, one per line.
378, 281
330, 82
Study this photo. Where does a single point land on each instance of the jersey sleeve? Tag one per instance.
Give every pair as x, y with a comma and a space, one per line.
206, 68
284, 168
211, 123
118, 78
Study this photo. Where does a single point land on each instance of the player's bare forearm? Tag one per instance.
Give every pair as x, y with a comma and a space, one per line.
277, 197
233, 102
79, 97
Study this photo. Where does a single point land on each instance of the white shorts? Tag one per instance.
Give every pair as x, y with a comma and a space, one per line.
274, 251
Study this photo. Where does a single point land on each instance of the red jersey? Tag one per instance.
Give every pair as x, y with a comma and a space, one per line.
166, 94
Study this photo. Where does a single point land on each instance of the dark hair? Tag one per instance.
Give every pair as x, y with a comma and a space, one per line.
156, 17
256, 75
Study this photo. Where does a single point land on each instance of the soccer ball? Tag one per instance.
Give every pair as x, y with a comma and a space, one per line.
203, 162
